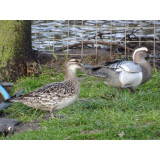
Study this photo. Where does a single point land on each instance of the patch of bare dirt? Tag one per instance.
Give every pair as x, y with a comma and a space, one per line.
89, 56
25, 126
10, 126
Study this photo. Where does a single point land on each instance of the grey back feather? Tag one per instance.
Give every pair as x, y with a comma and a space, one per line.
116, 66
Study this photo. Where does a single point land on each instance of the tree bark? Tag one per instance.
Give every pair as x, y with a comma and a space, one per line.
15, 48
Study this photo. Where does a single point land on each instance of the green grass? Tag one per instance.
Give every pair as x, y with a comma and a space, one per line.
97, 114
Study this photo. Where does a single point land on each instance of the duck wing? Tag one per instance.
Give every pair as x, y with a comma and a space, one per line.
116, 66
56, 89
128, 66
123, 65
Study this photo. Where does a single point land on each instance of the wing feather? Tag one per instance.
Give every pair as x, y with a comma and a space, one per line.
123, 65
118, 65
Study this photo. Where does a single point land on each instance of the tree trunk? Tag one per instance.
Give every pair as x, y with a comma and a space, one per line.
15, 48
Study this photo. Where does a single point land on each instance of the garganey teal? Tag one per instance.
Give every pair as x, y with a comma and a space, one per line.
57, 95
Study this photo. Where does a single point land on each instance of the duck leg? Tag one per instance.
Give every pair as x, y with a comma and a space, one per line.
118, 93
54, 115
132, 89
60, 116
48, 116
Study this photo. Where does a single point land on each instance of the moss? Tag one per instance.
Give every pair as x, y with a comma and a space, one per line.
15, 47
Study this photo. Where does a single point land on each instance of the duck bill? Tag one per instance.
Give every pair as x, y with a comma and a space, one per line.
87, 66
154, 56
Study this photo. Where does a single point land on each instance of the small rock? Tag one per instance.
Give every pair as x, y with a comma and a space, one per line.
7, 125
121, 134
67, 137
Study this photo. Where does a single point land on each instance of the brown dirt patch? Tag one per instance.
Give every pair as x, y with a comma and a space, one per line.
26, 126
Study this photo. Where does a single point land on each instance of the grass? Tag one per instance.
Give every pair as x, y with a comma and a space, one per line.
97, 114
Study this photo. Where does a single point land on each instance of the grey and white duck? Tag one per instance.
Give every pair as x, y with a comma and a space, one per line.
125, 74
57, 95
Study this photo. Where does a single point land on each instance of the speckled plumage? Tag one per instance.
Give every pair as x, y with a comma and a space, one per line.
57, 95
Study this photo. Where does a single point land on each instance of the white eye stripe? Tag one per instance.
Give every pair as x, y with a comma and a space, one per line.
139, 49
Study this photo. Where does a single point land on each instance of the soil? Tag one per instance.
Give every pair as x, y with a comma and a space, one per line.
89, 57
1, 98
25, 126
19, 127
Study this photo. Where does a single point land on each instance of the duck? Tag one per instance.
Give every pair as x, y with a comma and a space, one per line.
57, 95
122, 74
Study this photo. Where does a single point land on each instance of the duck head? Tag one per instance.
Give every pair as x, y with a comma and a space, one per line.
140, 55
73, 64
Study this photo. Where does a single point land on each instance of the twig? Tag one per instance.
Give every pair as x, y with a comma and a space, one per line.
98, 42
132, 33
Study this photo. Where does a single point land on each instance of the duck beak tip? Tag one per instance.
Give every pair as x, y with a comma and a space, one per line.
87, 66
154, 56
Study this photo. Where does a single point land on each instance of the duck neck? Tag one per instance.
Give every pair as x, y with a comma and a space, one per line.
146, 68
70, 74
139, 59
142, 62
